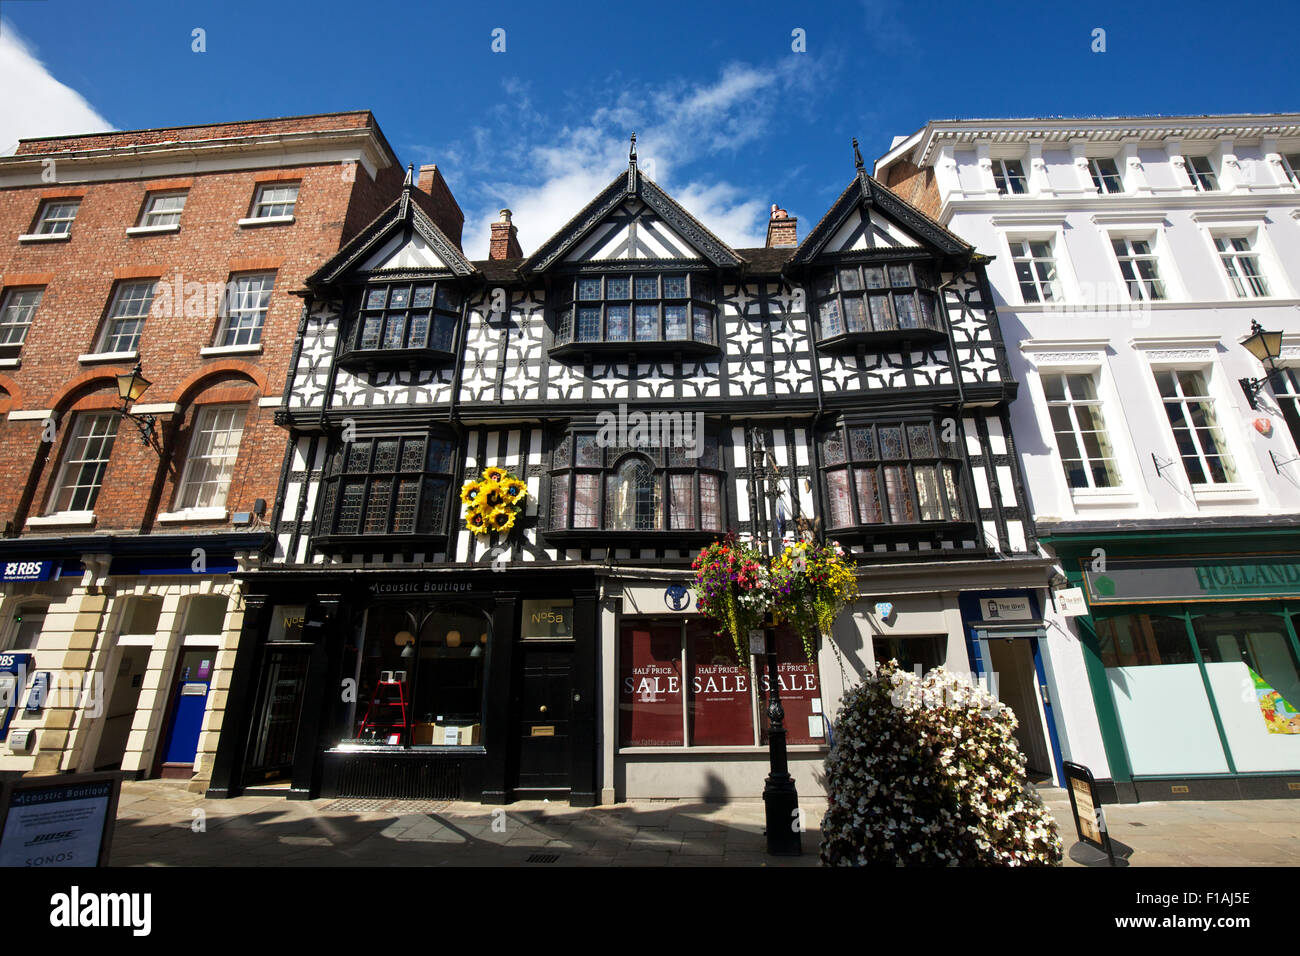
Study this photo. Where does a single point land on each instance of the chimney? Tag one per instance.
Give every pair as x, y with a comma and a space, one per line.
505, 244
435, 198
782, 229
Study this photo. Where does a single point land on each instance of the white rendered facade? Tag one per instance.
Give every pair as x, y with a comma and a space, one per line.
1118, 278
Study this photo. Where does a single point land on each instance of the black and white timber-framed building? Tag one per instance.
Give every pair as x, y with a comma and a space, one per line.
388, 651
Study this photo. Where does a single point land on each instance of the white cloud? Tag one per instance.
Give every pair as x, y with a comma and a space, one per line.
557, 169
45, 107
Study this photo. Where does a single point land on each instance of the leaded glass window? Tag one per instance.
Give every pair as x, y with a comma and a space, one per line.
388, 484
667, 307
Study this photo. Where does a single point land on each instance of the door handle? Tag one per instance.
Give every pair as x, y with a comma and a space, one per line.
542, 709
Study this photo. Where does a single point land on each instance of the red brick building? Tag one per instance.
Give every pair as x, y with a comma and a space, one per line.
177, 251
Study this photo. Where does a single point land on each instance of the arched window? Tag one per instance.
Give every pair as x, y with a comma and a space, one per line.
632, 496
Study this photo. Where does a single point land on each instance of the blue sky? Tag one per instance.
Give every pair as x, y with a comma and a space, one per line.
729, 118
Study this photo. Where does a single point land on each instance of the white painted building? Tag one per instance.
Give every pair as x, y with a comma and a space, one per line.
1132, 255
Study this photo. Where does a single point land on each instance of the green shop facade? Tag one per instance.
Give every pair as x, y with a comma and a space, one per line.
1192, 656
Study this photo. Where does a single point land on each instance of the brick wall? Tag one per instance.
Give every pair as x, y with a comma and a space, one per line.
916, 185
79, 276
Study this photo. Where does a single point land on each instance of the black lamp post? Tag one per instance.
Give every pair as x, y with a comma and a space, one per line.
780, 797
130, 387
1267, 346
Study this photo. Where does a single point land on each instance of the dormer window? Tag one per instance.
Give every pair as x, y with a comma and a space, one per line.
402, 321
634, 311
868, 303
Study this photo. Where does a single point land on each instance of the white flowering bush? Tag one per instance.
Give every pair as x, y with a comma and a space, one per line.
926, 771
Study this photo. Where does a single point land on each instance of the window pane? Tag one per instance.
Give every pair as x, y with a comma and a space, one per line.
560, 500
588, 324
675, 322
898, 488
589, 288
863, 442
927, 491
214, 447
868, 489
586, 501
875, 276
891, 442
721, 713
703, 320
829, 314
617, 287
833, 449
710, 503
900, 275
855, 310
681, 505
650, 686
632, 497
647, 322
837, 498
618, 323
647, 287
674, 287
85, 461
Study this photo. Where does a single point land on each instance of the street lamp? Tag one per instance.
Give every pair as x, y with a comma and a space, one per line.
780, 797
1265, 346
130, 386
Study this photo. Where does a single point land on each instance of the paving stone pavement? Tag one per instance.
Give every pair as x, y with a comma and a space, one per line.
162, 823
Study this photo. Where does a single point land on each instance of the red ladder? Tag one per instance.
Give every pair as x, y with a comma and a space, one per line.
375, 702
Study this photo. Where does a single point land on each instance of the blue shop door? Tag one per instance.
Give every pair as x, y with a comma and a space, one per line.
189, 703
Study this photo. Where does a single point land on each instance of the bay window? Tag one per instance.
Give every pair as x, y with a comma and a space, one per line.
629, 310
401, 320
390, 484
602, 487
884, 300
890, 474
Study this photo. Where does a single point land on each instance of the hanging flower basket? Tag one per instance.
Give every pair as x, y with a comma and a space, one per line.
806, 586
493, 503
732, 587
814, 583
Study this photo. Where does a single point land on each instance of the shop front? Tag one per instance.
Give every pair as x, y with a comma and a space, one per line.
1193, 662
465, 686
686, 719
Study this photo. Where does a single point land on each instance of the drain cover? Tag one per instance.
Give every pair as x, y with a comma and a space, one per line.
543, 858
399, 807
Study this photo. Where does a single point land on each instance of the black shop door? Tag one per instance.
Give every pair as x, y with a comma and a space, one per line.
543, 746
278, 709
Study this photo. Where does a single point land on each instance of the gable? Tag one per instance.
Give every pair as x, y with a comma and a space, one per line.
407, 250
632, 231
868, 229
631, 218
868, 216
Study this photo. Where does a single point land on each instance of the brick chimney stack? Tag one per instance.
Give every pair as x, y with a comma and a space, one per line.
782, 228
435, 198
505, 244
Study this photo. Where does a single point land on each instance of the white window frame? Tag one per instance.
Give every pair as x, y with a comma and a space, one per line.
150, 216
999, 167
201, 462
1290, 167
1070, 403
1153, 244
1243, 284
84, 430
1099, 179
1018, 244
44, 219
1195, 176
234, 310
7, 306
261, 203
1197, 355
112, 319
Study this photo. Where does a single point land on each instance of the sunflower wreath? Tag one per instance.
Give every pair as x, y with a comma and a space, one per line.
494, 502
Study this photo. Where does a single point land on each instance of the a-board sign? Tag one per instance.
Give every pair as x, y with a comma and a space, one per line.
63, 820
1089, 822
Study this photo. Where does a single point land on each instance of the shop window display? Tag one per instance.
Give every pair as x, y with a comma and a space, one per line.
418, 672
1160, 699
681, 685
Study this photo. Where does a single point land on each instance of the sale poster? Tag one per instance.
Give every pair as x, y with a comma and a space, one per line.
650, 685
721, 699
799, 687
